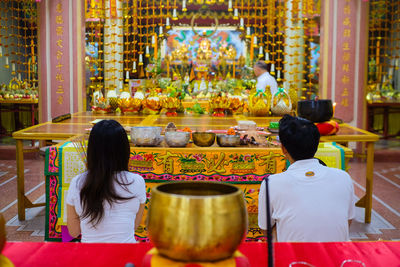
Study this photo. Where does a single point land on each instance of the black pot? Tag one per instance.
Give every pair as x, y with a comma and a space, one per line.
315, 110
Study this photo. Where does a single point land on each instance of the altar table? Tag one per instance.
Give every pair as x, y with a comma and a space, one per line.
243, 166
372, 254
386, 109
16, 106
81, 121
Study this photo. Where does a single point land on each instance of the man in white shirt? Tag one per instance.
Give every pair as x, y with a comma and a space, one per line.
309, 202
264, 79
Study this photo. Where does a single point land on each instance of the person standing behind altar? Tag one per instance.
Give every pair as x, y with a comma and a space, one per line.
264, 79
106, 203
309, 202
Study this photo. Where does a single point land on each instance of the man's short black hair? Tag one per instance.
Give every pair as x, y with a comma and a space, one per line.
299, 136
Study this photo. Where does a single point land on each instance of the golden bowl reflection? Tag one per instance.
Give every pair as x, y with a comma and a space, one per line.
196, 220
203, 138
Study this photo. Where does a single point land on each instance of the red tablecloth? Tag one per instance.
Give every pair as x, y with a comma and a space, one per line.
372, 254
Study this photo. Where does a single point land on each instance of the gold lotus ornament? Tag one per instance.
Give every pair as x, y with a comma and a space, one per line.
171, 104
152, 104
237, 105
130, 105
218, 104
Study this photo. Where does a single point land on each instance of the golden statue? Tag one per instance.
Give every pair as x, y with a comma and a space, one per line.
181, 52
231, 52
204, 52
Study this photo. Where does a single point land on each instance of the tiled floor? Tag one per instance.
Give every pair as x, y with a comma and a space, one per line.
386, 201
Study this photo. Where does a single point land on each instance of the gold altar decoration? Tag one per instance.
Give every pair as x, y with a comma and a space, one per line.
383, 51
18, 40
152, 104
281, 103
100, 106
129, 105
207, 14
237, 105
259, 104
218, 104
171, 104
145, 32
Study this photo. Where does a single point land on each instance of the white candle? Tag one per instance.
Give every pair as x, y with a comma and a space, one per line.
13, 66
167, 22
147, 51
161, 30
272, 67
6, 60
236, 13
140, 59
163, 48
184, 5
153, 39
267, 57
242, 23
255, 40
127, 75
174, 16
230, 5
1, 51
261, 50
278, 75
134, 65
248, 32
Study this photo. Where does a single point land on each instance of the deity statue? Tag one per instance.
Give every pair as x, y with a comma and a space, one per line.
181, 52
231, 52
204, 52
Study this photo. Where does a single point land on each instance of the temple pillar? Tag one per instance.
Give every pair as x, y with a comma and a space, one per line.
113, 46
294, 49
343, 68
61, 36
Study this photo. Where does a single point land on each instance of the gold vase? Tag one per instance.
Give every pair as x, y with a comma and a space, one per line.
197, 221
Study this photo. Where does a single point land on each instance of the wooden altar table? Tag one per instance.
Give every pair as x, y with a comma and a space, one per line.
79, 122
16, 106
384, 108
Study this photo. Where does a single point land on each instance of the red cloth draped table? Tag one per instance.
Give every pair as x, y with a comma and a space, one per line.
372, 254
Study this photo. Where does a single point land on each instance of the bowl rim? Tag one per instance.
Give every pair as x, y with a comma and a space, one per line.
156, 190
176, 132
146, 127
228, 135
204, 132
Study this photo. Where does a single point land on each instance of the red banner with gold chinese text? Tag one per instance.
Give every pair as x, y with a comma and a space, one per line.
59, 58
345, 60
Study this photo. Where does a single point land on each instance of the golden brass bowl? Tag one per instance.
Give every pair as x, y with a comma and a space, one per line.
197, 221
203, 138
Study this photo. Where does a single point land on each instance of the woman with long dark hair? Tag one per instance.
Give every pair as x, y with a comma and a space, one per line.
106, 203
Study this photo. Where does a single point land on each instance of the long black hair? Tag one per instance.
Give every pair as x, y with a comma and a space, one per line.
107, 154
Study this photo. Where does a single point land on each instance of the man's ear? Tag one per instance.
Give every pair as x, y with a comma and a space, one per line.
283, 149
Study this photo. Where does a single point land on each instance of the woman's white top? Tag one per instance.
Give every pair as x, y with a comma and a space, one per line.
118, 223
